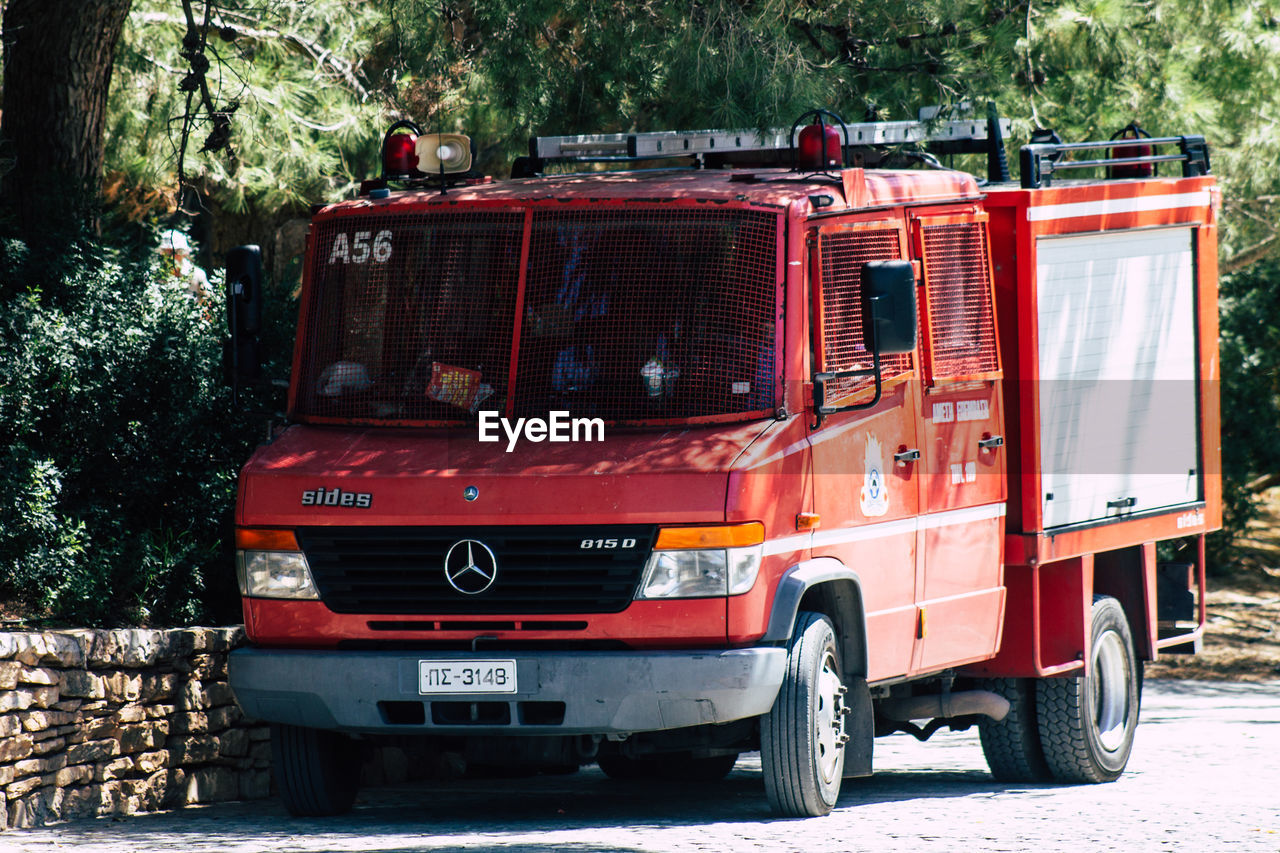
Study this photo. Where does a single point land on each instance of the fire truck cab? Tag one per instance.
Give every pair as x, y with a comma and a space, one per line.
653, 467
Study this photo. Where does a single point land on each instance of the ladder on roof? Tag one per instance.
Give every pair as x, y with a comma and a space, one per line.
967, 136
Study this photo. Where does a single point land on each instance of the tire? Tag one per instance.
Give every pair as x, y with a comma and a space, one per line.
1012, 745
802, 737
624, 769
1087, 723
677, 767
316, 771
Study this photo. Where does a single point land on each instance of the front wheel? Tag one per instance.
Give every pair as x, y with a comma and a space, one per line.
315, 770
1087, 724
802, 737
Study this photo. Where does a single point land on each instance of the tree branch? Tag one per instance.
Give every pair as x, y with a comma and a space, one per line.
344, 69
1261, 484
1247, 257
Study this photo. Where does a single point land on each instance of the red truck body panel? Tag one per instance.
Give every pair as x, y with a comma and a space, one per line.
957, 567
1050, 572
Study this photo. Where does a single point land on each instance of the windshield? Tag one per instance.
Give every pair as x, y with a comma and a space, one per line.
629, 315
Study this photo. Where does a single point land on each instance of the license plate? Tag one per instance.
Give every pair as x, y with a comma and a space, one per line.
469, 676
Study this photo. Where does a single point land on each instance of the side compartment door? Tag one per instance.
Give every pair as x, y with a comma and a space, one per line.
960, 593
1118, 371
868, 501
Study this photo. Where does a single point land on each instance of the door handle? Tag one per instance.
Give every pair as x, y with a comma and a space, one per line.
903, 457
991, 442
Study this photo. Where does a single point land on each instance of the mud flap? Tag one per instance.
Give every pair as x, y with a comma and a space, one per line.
860, 726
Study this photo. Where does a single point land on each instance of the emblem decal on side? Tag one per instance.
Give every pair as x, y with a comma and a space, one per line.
874, 495
470, 566
470, 493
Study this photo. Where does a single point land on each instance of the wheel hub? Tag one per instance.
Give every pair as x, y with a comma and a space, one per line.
1109, 691
829, 734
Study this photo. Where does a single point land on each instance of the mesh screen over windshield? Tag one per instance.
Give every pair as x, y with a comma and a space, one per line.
622, 314
444, 294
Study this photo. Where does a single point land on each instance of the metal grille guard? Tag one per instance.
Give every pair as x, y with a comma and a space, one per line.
1039, 161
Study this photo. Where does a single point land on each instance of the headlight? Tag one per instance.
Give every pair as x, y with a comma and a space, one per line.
269, 564
701, 562
701, 574
274, 574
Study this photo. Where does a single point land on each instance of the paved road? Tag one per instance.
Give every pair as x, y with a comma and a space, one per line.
1204, 777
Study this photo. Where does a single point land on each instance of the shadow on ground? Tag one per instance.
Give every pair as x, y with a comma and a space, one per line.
427, 816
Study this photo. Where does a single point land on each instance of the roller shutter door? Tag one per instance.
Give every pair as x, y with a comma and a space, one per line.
1118, 416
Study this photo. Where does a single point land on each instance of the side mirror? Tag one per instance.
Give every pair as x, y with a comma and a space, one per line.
889, 319
244, 290
889, 326
241, 357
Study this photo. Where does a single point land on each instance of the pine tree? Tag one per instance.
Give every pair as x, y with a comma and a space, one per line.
58, 64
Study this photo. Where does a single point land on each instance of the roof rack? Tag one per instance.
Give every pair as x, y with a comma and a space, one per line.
1039, 161
725, 146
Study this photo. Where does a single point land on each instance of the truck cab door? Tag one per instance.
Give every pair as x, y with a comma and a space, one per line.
960, 593
867, 499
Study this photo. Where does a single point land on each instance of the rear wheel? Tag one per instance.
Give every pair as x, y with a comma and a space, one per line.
1087, 724
315, 770
625, 769
802, 738
1012, 745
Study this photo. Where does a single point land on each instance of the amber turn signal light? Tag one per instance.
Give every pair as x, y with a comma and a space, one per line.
719, 536
265, 539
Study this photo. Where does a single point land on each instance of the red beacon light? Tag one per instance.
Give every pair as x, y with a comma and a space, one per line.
811, 155
818, 146
399, 151
1131, 170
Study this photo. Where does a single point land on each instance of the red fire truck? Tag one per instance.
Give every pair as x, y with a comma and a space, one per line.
778, 447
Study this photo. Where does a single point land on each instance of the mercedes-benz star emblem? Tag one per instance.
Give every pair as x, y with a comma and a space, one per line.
470, 493
470, 566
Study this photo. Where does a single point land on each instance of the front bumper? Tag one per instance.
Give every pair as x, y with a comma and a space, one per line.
601, 692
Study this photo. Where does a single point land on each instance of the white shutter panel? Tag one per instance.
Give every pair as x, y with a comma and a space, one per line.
1118, 418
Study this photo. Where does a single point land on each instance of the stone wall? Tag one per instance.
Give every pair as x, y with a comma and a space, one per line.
117, 722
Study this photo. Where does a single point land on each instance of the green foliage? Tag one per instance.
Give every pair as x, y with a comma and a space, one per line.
507, 70
1177, 66
118, 477
305, 125
316, 81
